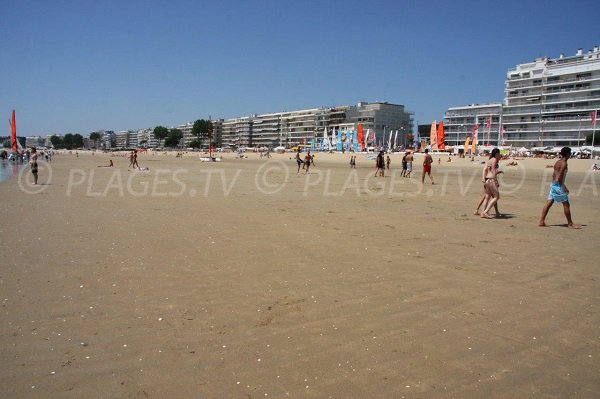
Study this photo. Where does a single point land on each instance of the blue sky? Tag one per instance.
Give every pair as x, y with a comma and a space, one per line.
80, 66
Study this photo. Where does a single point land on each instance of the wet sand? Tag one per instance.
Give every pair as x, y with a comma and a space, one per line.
244, 279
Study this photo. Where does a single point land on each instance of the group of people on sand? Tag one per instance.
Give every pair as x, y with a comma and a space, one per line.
558, 190
306, 162
489, 177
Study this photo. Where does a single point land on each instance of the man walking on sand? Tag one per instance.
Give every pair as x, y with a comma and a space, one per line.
558, 191
409, 163
427, 166
299, 160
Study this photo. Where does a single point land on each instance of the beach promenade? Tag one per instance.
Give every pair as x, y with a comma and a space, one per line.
245, 279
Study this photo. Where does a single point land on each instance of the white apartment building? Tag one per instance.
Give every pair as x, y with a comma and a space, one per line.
300, 127
549, 102
460, 121
146, 139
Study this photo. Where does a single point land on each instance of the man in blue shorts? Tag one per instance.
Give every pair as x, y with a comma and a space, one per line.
558, 191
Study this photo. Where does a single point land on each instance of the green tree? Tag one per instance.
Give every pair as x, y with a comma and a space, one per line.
160, 133
68, 141
173, 138
202, 129
95, 136
195, 143
57, 142
588, 139
77, 140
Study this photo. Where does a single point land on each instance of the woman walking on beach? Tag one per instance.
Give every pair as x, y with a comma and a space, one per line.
490, 182
34, 165
485, 196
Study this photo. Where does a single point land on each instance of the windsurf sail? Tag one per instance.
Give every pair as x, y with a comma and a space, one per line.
440, 136
13, 132
433, 136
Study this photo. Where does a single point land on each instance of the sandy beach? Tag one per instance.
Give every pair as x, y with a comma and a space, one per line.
245, 279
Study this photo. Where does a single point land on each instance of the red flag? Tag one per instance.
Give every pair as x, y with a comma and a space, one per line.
488, 123
594, 117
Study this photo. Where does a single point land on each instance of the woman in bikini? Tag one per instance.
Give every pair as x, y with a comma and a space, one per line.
490, 182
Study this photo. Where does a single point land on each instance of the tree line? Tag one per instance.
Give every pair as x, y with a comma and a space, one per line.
201, 130
68, 141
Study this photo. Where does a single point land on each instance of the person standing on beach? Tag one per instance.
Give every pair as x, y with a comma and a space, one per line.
299, 160
307, 161
403, 174
491, 194
130, 160
388, 161
427, 167
558, 191
485, 196
34, 165
379, 164
135, 161
409, 162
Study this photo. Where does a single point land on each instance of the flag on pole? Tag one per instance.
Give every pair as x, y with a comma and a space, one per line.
594, 113
474, 131
488, 122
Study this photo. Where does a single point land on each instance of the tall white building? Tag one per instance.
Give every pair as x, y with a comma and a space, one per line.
460, 121
549, 102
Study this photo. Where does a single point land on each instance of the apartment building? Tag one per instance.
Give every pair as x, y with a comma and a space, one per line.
548, 102
146, 139
300, 127
126, 139
382, 118
460, 121
237, 132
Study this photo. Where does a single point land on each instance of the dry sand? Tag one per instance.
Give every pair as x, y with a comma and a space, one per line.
244, 279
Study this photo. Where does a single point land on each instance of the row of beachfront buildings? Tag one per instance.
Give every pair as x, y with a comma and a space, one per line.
547, 102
